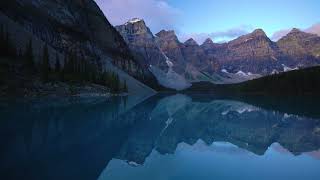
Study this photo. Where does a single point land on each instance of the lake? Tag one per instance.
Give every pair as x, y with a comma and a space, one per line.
163, 137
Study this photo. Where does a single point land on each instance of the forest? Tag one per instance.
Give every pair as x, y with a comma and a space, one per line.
72, 69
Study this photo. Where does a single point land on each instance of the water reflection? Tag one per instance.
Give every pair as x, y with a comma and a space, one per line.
119, 138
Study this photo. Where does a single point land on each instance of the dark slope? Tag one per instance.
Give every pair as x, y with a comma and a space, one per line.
76, 26
302, 82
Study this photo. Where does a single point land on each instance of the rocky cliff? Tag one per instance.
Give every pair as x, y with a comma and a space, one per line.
146, 49
170, 45
187, 58
142, 43
246, 57
301, 47
253, 52
256, 53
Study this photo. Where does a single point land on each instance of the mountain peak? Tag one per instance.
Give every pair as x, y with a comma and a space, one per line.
164, 33
295, 30
208, 41
134, 20
191, 42
259, 32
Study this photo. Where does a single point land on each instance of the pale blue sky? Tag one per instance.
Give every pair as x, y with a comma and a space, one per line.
206, 16
218, 19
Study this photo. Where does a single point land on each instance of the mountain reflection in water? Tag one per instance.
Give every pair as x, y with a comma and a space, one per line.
163, 137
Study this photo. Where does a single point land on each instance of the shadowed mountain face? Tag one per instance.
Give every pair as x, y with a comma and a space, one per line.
68, 25
77, 138
73, 26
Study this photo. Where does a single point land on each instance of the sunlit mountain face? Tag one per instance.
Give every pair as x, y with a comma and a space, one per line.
165, 136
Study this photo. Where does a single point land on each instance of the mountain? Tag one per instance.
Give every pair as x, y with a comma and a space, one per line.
245, 58
169, 44
74, 26
253, 52
301, 47
195, 55
142, 43
183, 56
146, 50
257, 54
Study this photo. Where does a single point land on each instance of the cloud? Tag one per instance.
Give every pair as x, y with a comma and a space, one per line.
315, 29
218, 36
279, 34
158, 14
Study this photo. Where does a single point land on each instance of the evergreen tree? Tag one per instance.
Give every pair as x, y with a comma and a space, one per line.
45, 66
125, 87
7, 47
115, 83
29, 57
2, 41
57, 65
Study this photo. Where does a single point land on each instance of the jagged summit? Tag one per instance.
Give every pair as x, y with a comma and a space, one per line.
134, 28
191, 42
258, 32
208, 41
295, 30
165, 33
134, 20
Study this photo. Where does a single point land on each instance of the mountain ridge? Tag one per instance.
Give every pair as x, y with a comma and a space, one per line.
253, 54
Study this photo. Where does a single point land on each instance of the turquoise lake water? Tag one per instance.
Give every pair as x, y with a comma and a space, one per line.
163, 137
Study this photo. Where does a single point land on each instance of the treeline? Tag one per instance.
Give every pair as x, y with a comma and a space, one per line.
297, 82
304, 81
73, 69
7, 48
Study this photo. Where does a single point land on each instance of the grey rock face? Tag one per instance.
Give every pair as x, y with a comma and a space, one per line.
142, 43
301, 47
195, 55
170, 45
256, 53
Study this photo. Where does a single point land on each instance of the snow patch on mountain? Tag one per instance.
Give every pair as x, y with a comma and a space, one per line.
134, 20
241, 73
275, 71
286, 68
225, 77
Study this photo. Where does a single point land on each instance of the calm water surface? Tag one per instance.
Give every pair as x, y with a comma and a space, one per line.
164, 137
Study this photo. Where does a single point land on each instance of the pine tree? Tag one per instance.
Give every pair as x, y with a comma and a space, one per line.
115, 83
2, 40
125, 87
29, 57
57, 65
7, 47
45, 66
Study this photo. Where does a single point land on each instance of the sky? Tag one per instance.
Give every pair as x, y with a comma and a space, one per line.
221, 20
